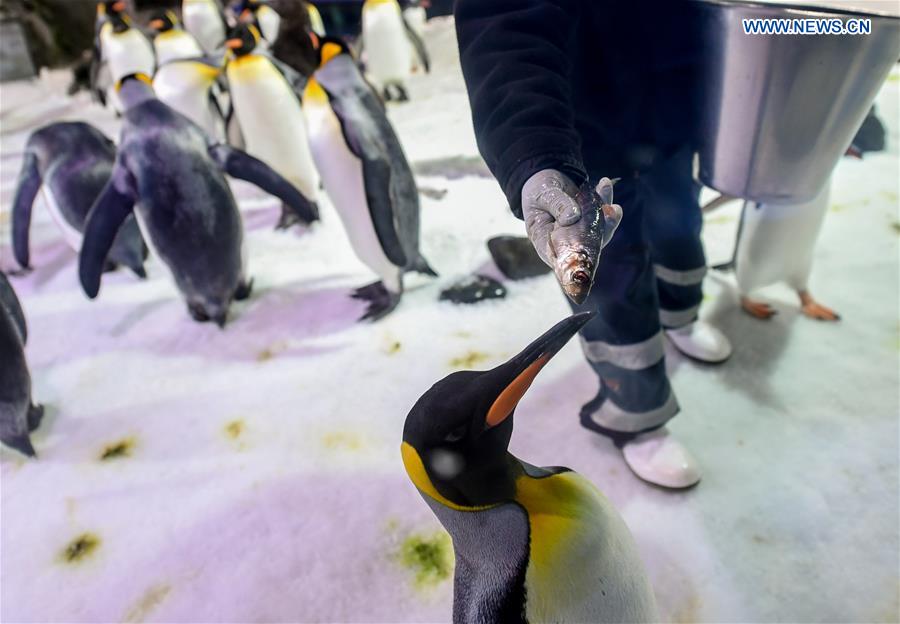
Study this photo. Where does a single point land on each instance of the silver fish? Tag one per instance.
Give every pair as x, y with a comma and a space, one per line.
578, 246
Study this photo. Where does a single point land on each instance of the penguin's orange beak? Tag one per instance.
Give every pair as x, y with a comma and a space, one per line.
234, 44
517, 374
157, 24
119, 6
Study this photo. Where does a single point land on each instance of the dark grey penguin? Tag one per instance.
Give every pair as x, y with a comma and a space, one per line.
172, 178
70, 163
18, 415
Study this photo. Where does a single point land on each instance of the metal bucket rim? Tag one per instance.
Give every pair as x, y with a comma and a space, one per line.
796, 8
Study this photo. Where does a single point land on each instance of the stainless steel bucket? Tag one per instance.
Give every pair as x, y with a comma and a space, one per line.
780, 110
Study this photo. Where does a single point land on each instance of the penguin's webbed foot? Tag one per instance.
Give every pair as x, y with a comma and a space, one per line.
815, 310
35, 414
381, 301
245, 287
758, 309
402, 94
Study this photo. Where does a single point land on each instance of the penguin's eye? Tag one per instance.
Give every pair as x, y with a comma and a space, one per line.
456, 434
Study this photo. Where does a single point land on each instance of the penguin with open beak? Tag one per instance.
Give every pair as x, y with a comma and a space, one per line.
531, 544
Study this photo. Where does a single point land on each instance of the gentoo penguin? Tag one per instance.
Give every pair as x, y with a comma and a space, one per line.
119, 49
264, 94
206, 21
365, 173
261, 15
69, 163
387, 47
191, 87
171, 41
315, 19
532, 544
18, 415
169, 174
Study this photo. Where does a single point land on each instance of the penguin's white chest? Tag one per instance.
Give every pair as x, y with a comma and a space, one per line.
272, 121
202, 19
342, 176
387, 48
127, 52
583, 563
185, 86
176, 44
71, 235
777, 242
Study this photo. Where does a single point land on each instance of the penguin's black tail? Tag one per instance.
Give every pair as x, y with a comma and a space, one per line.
420, 265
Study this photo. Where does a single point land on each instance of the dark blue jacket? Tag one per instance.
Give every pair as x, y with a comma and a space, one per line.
599, 87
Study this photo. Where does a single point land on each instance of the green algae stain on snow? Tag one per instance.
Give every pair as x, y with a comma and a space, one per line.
428, 557
148, 602
118, 450
470, 360
80, 548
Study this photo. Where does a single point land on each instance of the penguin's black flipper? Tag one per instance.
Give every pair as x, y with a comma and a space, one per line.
21, 443
10, 302
28, 187
101, 227
242, 165
418, 45
381, 301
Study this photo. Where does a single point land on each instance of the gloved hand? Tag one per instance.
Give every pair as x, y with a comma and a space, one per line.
548, 202
553, 208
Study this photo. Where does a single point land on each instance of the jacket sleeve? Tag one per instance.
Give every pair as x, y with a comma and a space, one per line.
515, 57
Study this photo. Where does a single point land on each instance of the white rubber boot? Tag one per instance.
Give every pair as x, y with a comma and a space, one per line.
658, 458
701, 341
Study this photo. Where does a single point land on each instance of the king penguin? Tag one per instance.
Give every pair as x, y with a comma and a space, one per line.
387, 49
171, 41
532, 544
169, 174
365, 173
18, 415
206, 21
119, 50
69, 163
264, 94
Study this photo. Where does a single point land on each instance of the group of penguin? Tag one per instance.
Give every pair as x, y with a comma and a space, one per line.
531, 544
290, 133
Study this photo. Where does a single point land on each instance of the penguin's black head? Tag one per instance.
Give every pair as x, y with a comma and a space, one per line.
456, 436
243, 39
115, 11
164, 21
327, 48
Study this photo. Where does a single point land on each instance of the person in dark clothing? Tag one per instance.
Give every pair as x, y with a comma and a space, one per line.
568, 90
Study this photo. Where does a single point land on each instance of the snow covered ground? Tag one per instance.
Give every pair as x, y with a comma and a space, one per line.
188, 474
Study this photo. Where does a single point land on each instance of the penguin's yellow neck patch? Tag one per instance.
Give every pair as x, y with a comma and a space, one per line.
416, 471
329, 51
142, 77
314, 92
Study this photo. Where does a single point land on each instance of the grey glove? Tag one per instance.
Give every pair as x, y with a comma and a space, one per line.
569, 226
548, 202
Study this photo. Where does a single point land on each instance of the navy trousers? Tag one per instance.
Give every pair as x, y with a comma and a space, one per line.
650, 277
